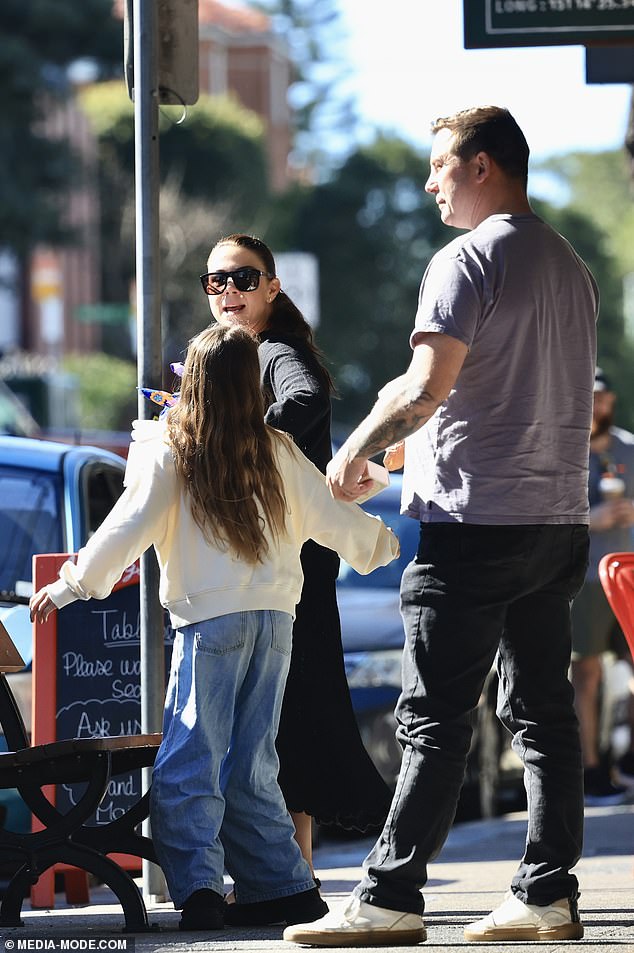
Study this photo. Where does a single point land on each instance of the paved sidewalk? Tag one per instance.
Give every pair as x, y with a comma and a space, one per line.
469, 878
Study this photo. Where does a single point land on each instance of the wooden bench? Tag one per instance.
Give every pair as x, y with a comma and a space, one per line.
66, 838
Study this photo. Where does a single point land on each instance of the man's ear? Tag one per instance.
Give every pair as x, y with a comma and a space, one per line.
483, 165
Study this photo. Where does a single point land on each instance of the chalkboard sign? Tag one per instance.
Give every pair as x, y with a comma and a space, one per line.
93, 650
99, 686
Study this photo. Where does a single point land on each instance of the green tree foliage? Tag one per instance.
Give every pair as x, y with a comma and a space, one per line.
213, 178
373, 229
39, 39
217, 149
599, 186
324, 114
599, 221
107, 390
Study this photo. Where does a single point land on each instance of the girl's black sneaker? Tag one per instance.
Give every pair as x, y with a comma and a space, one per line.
203, 910
304, 907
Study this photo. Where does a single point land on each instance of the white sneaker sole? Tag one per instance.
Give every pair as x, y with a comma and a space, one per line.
345, 938
501, 934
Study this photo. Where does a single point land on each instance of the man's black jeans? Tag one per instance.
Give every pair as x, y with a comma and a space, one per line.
473, 591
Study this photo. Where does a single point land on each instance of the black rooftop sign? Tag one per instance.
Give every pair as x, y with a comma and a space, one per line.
499, 23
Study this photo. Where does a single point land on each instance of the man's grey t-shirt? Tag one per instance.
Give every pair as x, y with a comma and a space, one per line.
510, 443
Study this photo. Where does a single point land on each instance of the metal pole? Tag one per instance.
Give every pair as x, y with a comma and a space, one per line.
146, 168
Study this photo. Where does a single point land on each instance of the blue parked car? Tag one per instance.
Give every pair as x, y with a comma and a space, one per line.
373, 637
52, 498
372, 634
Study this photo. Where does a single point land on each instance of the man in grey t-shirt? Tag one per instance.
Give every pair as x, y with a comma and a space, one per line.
495, 410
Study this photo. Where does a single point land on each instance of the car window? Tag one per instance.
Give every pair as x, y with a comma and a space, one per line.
102, 485
29, 523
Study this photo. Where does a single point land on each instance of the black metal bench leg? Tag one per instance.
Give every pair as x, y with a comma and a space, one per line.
120, 836
11, 906
119, 881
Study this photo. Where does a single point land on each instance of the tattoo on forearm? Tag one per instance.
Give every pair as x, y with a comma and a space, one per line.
374, 435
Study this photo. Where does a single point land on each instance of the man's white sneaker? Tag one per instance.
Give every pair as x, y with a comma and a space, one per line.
514, 920
356, 923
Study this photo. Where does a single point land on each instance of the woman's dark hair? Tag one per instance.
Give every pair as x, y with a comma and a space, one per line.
285, 316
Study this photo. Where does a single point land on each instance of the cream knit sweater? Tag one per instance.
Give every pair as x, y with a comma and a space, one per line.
197, 579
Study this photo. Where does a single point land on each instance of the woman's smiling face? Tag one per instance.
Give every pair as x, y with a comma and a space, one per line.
247, 309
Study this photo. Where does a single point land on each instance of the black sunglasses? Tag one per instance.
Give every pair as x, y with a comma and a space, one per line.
245, 279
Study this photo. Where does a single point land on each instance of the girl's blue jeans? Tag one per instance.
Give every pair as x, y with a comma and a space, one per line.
215, 800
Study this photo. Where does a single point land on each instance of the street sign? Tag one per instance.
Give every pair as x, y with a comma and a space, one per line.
47, 281
46, 275
500, 23
103, 313
610, 64
299, 273
177, 51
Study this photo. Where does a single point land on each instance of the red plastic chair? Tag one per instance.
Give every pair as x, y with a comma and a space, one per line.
616, 572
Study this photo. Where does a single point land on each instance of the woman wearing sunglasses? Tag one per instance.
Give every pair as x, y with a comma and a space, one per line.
325, 772
227, 503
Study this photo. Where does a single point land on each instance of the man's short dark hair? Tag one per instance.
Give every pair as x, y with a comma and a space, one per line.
489, 129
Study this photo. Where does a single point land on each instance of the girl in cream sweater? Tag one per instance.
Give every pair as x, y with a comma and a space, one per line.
227, 502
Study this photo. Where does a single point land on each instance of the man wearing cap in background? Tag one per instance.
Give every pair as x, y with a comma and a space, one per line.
611, 493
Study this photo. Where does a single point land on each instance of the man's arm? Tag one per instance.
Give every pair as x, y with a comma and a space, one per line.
404, 406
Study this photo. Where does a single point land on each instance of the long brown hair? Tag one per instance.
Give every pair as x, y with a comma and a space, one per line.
284, 316
223, 450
